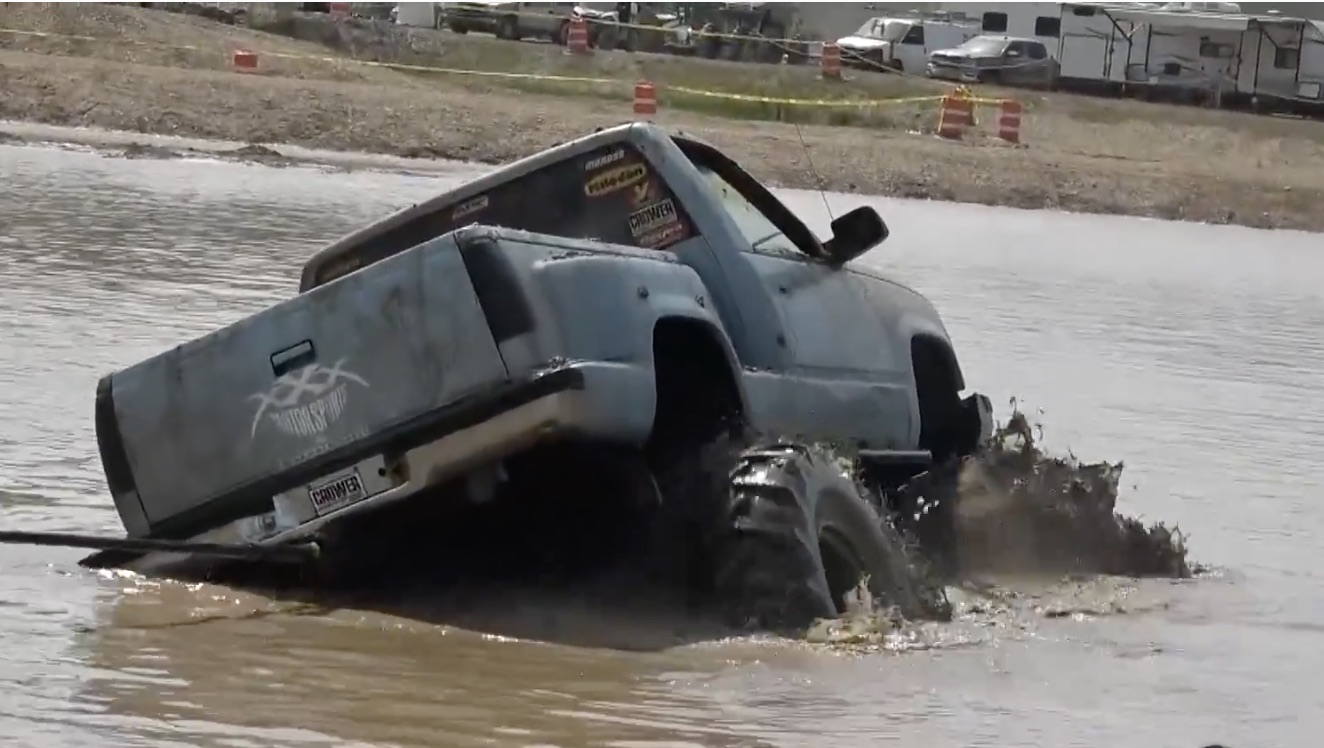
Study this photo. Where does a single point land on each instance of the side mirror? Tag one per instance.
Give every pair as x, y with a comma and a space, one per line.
855, 233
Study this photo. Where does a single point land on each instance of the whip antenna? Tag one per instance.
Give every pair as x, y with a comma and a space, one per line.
817, 179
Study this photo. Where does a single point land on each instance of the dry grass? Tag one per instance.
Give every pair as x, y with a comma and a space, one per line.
126, 35
1081, 154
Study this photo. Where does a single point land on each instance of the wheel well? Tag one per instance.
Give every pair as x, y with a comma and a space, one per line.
697, 395
938, 386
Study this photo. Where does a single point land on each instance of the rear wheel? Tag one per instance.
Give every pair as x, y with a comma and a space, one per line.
798, 537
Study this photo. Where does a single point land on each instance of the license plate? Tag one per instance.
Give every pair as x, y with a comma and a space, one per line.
337, 493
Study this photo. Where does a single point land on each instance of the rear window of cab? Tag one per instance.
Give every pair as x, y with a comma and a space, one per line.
610, 194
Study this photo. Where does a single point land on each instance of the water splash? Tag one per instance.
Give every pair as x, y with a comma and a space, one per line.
1022, 534
1020, 509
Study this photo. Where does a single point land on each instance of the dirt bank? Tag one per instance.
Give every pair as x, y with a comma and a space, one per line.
1080, 154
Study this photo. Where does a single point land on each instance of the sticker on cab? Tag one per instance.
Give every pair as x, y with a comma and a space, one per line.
469, 207
665, 236
606, 159
643, 194
614, 180
650, 218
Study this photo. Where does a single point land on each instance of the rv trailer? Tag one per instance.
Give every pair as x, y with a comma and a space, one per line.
1209, 51
1227, 58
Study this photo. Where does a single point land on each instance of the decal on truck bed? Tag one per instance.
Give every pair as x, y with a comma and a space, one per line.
306, 401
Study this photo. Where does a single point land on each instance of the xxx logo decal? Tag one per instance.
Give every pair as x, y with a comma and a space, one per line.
306, 401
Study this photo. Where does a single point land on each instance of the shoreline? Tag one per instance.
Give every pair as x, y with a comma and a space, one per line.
1078, 155
130, 144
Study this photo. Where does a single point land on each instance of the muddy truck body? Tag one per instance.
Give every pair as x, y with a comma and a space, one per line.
633, 289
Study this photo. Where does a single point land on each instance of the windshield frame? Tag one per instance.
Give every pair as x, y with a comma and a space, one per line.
902, 28
800, 237
882, 28
869, 28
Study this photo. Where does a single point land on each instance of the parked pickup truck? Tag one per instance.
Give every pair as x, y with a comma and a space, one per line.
635, 292
515, 21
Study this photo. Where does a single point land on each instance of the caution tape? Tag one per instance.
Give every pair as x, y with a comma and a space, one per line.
662, 87
855, 103
965, 94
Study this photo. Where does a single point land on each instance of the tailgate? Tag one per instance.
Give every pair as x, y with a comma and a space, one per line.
371, 351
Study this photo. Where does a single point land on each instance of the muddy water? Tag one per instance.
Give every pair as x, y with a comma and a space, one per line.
1191, 352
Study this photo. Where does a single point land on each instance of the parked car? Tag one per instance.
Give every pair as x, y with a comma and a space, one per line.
517, 21
1009, 60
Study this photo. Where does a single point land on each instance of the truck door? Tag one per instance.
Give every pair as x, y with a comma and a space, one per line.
846, 377
909, 53
1017, 64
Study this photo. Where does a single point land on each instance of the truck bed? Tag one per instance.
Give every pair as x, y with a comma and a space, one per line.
208, 432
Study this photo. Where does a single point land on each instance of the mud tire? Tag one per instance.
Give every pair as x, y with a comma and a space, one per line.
786, 505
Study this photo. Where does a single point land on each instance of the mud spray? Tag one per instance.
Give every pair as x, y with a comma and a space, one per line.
1021, 510
1023, 518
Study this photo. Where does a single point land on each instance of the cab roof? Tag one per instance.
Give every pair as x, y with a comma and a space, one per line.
642, 135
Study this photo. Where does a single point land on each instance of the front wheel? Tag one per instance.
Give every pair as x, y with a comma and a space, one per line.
798, 537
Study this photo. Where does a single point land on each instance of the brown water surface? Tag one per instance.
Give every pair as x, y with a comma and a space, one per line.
1192, 352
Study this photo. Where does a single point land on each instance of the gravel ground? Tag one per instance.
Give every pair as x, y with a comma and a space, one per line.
1080, 154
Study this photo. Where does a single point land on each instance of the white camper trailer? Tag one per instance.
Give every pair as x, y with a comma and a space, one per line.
1093, 46
1310, 78
1177, 49
1222, 54
1282, 59
1207, 48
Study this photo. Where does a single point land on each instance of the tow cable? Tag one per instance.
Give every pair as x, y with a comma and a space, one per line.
280, 554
